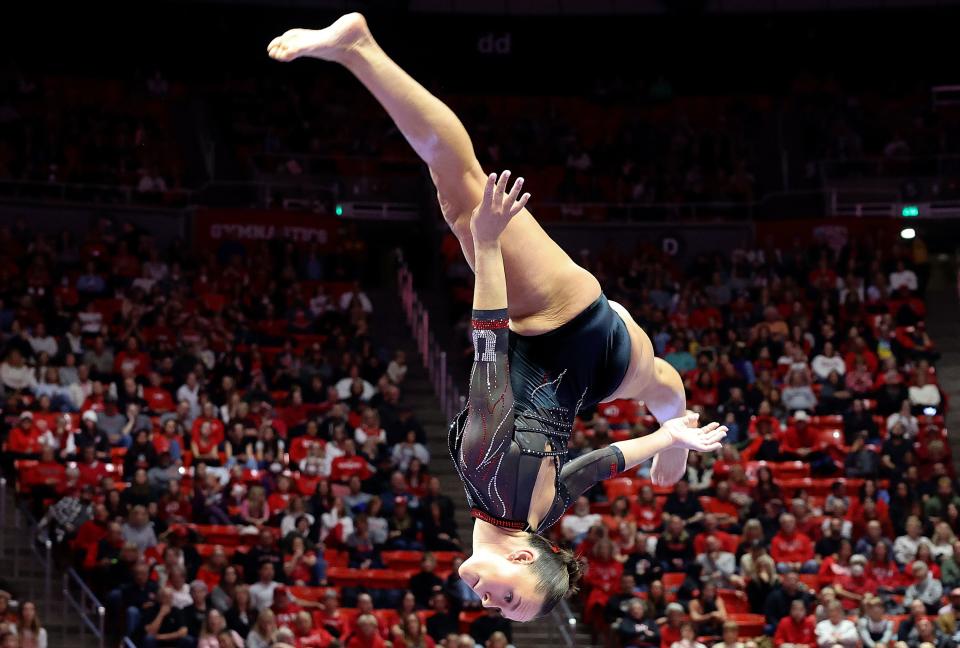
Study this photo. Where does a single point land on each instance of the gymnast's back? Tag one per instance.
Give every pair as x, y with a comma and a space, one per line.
520, 410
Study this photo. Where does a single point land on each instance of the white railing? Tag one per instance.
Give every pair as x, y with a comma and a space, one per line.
433, 357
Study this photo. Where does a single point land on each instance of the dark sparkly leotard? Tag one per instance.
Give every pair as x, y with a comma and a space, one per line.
525, 392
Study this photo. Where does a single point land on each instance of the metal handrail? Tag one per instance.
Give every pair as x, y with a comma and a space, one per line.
44, 556
87, 605
433, 357
564, 622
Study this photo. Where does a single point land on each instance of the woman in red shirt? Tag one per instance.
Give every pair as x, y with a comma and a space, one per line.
299, 563
204, 446
602, 578
704, 391
648, 512
837, 565
621, 521
883, 570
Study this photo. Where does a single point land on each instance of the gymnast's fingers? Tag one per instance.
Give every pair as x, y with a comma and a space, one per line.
488, 191
514, 191
501, 188
519, 205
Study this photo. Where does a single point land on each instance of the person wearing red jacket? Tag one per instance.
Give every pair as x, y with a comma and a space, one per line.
792, 550
602, 578
350, 464
132, 359
797, 629
24, 439
366, 634
158, 397
309, 636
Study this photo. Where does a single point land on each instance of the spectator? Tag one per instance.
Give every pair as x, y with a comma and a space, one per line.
30, 632
242, 615
425, 583
261, 592
410, 632
635, 628
835, 630
924, 394
264, 630
688, 638
792, 550
213, 628
366, 634
778, 604
796, 629
483, 627
675, 546
138, 529
442, 622
575, 526
874, 629
905, 546
924, 587
164, 625
708, 612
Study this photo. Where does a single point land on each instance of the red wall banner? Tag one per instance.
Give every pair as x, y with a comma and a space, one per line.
212, 227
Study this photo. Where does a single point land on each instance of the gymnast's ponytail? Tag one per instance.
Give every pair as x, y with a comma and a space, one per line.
557, 570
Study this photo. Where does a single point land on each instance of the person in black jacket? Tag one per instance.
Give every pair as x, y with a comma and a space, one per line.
491, 622
635, 629
426, 583
675, 546
443, 622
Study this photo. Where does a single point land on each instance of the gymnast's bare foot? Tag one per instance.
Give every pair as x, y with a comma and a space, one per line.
333, 43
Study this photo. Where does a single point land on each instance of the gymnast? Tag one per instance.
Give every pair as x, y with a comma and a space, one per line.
547, 343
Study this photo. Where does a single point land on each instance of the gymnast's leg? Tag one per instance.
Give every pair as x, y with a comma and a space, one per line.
545, 287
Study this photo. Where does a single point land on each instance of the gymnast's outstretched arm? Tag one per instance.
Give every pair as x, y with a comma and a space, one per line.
489, 425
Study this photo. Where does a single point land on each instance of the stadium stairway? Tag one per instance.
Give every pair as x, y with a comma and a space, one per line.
23, 574
419, 394
943, 320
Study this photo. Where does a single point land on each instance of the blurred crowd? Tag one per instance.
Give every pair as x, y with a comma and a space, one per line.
830, 516
222, 449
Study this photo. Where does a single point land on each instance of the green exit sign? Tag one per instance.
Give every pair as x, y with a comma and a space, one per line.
909, 211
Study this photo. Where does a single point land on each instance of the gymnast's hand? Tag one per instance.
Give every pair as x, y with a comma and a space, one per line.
700, 439
494, 212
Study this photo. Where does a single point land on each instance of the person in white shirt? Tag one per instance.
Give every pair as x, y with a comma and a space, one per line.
905, 418
836, 630
370, 428
924, 394
180, 589
190, 392
344, 385
575, 525
347, 298
15, 374
261, 592
828, 361
404, 453
903, 277
320, 303
40, 341
905, 547
397, 369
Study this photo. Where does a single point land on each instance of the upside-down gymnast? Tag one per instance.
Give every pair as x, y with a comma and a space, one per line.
547, 343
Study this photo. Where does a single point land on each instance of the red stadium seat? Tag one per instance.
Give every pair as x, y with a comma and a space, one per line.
467, 617
751, 625
621, 487
735, 601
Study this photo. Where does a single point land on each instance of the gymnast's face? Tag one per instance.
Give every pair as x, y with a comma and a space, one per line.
504, 581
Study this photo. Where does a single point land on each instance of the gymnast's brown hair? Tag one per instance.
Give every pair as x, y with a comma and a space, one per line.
557, 570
